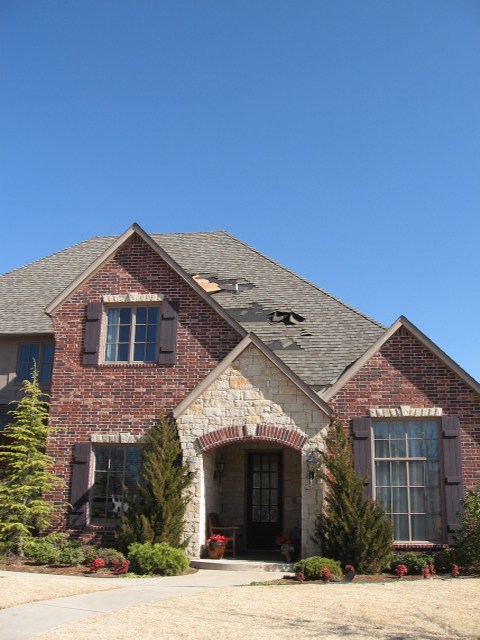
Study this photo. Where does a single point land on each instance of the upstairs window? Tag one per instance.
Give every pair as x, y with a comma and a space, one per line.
132, 334
408, 477
39, 354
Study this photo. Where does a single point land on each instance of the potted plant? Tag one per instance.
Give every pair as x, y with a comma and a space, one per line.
216, 546
287, 547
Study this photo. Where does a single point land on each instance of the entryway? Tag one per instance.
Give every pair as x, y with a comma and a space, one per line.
264, 500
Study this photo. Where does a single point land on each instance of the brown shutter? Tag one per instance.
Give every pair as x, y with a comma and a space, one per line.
362, 451
168, 332
452, 466
91, 344
80, 484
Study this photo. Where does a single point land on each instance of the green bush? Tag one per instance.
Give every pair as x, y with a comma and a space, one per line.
106, 553
312, 567
55, 548
158, 558
412, 560
468, 547
444, 560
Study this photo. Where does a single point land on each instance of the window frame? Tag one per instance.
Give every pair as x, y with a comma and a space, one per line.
133, 325
407, 459
42, 344
115, 519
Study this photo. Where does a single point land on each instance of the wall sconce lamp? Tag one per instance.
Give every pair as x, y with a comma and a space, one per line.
312, 466
219, 469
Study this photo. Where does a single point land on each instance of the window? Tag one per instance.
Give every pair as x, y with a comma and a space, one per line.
116, 467
132, 334
37, 353
408, 477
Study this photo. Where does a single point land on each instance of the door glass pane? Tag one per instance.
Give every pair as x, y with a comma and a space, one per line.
265, 480
265, 496
256, 497
273, 514
265, 514
256, 480
255, 514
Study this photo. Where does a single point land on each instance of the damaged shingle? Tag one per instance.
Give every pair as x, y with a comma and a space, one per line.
285, 317
212, 283
283, 345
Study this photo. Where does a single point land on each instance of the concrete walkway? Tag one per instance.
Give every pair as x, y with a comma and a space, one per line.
28, 620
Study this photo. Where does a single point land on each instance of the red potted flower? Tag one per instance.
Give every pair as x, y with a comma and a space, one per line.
216, 546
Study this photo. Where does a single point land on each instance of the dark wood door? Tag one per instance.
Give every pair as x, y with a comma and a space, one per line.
264, 500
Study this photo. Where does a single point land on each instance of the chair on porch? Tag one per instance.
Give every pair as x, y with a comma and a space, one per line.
229, 531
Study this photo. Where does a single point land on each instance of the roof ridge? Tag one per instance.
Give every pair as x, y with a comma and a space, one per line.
308, 282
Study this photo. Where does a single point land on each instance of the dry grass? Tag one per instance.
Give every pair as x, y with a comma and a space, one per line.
424, 609
15, 589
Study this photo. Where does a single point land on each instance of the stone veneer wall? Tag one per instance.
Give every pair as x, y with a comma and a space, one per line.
251, 391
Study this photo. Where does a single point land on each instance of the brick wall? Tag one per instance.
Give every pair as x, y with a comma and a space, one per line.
121, 397
404, 372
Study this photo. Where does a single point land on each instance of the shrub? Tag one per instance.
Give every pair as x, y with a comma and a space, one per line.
312, 568
105, 553
351, 528
445, 559
414, 562
55, 548
468, 547
158, 558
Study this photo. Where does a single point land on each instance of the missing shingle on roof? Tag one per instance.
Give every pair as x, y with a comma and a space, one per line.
283, 345
285, 317
212, 283
254, 313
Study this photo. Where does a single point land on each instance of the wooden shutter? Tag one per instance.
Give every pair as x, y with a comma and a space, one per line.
93, 323
80, 484
362, 451
168, 332
452, 466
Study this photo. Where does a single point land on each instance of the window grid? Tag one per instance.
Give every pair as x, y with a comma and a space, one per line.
132, 334
37, 353
115, 469
402, 476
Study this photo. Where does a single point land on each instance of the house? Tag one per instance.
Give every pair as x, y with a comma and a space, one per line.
252, 361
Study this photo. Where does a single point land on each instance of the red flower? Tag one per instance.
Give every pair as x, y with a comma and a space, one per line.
327, 575
455, 571
120, 566
98, 563
401, 570
217, 538
349, 567
283, 540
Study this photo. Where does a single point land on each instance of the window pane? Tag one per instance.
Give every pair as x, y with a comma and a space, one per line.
124, 333
381, 449
430, 430
140, 333
415, 448
397, 430
125, 315
399, 473
417, 500
434, 528
139, 352
383, 473
399, 500
398, 448
383, 496
432, 473
431, 448
416, 471
400, 526
122, 353
380, 429
141, 315
151, 352
101, 458
419, 528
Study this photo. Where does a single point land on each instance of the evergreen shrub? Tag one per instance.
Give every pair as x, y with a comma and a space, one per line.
158, 558
350, 528
468, 544
312, 568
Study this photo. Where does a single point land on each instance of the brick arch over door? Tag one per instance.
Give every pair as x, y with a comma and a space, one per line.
246, 433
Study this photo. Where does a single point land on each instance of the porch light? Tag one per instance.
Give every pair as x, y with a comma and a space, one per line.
312, 466
219, 469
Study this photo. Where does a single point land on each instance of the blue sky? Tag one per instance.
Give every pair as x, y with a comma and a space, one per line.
340, 137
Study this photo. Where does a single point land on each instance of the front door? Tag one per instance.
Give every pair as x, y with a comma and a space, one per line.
264, 500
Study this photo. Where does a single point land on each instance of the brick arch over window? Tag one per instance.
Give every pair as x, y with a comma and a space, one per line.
246, 433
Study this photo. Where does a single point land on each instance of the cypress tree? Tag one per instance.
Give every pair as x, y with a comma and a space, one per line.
350, 528
158, 502
27, 470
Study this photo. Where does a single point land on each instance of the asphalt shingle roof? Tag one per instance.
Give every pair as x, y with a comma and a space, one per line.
331, 336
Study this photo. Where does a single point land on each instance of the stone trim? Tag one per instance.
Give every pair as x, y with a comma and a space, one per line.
134, 297
115, 438
241, 433
404, 411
